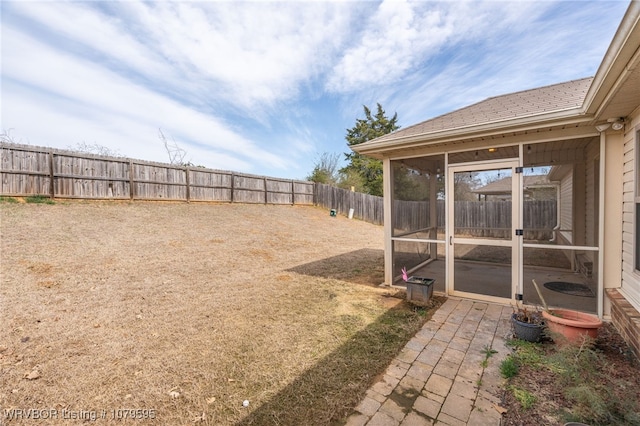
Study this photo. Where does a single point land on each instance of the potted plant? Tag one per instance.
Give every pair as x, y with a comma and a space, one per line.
527, 324
571, 325
419, 289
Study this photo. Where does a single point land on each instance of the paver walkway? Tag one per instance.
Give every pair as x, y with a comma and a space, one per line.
440, 376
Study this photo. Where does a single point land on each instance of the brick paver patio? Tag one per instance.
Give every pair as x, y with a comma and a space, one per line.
439, 376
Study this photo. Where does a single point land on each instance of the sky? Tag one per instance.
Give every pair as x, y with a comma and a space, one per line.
267, 87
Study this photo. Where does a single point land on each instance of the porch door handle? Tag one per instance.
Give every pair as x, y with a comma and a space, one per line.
450, 240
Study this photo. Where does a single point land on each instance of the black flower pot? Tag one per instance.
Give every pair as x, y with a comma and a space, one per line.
526, 331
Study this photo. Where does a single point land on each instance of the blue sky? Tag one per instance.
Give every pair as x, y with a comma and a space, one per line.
266, 87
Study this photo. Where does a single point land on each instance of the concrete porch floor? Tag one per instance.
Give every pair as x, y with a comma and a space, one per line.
489, 279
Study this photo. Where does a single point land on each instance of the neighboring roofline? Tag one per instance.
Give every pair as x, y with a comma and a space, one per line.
620, 59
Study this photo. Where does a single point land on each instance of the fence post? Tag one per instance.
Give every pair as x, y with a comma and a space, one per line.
293, 193
266, 198
233, 179
52, 189
131, 191
186, 170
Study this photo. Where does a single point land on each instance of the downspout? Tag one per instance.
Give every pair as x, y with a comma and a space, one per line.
554, 235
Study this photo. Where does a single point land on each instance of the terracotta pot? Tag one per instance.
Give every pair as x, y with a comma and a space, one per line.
572, 324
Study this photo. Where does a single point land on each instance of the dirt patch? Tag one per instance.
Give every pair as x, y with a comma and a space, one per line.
612, 370
187, 310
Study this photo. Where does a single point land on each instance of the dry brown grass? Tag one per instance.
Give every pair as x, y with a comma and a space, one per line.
189, 309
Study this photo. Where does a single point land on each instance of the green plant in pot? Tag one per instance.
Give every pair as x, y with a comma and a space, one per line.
528, 324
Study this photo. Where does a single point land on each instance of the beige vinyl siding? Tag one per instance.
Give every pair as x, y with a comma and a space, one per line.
593, 152
630, 276
566, 207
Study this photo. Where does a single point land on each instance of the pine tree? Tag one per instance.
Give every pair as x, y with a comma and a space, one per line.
371, 127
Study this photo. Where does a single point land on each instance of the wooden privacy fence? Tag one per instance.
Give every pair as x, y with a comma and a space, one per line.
26, 170
365, 207
491, 219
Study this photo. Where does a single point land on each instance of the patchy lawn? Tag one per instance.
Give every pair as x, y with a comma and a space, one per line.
552, 385
181, 312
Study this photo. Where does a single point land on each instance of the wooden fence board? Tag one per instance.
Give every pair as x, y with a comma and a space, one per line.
201, 193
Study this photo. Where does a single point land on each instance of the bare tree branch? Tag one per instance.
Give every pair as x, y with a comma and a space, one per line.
95, 148
176, 154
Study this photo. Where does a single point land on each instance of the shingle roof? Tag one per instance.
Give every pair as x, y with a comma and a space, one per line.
503, 186
553, 98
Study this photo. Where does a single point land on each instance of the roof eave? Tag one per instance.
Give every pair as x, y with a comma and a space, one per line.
620, 59
572, 116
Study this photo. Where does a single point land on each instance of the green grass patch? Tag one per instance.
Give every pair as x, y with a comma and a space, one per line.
4, 199
524, 397
39, 199
509, 367
580, 372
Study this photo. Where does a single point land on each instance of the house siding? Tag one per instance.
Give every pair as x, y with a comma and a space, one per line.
566, 208
625, 301
630, 286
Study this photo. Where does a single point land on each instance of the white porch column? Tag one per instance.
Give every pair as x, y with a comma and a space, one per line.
387, 183
433, 216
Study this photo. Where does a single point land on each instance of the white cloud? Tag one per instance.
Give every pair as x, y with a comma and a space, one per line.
252, 54
402, 36
495, 48
79, 90
258, 52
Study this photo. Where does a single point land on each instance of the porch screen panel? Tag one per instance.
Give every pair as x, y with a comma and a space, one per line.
560, 191
567, 278
483, 270
418, 207
483, 204
416, 257
418, 197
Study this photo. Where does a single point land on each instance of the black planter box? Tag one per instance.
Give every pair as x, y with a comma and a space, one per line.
419, 289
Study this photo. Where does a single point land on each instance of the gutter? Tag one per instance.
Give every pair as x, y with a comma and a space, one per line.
554, 235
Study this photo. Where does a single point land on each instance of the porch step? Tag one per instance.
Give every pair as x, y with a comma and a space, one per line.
585, 265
